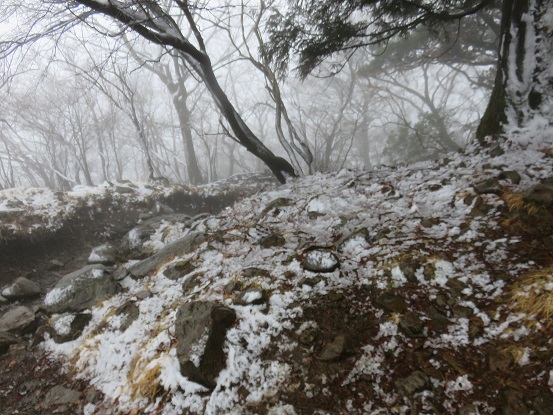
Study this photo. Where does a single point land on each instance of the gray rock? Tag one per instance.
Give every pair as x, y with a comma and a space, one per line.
320, 260
6, 340
80, 290
429, 222
391, 302
488, 186
18, 320
251, 297
120, 274
415, 382
55, 264
22, 288
3, 299
179, 248
59, 395
105, 254
200, 328
308, 336
334, 349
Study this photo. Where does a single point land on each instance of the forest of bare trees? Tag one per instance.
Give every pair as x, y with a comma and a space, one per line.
102, 90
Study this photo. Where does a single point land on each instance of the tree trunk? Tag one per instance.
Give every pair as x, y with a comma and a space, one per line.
279, 166
524, 82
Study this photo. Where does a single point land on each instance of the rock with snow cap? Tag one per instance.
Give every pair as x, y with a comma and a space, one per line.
251, 297
200, 328
22, 288
105, 254
320, 260
81, 289
65, 327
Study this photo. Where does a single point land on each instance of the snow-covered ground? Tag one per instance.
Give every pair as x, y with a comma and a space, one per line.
377, 224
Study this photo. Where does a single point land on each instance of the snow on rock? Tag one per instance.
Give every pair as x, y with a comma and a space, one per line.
409, 299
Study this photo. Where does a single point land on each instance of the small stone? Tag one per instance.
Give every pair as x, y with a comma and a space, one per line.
22, 288
251, 297
456, 287
496, 150
59, 395
438, 320
71, 329
429, 222
92, 396
120, 274
54, 264
468, 410
511, 176
319, 260
128, 313
179, 270
311, 282
271, 241
391, 302
334, 349
459, 311
489, 186
308, 336
416, 382
190, 283
412, 324
143, 294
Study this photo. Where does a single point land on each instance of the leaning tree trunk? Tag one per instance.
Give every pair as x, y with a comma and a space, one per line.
150, 20
523, 86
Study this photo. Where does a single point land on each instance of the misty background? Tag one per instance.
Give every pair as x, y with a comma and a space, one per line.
91, 105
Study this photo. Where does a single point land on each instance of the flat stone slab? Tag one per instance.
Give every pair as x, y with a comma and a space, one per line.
181, 247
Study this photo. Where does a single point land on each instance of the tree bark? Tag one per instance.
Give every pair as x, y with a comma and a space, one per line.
524, 81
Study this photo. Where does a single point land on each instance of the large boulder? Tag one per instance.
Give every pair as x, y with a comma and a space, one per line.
201, 329
22, 288
81, 290
181, 247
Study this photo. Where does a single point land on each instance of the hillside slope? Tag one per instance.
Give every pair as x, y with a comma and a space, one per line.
418, 289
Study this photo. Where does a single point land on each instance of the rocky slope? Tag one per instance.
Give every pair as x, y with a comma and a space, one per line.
417, 289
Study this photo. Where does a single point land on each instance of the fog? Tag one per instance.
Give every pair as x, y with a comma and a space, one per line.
89, 102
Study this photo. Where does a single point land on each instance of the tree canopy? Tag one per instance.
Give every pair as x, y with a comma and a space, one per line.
315, 29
